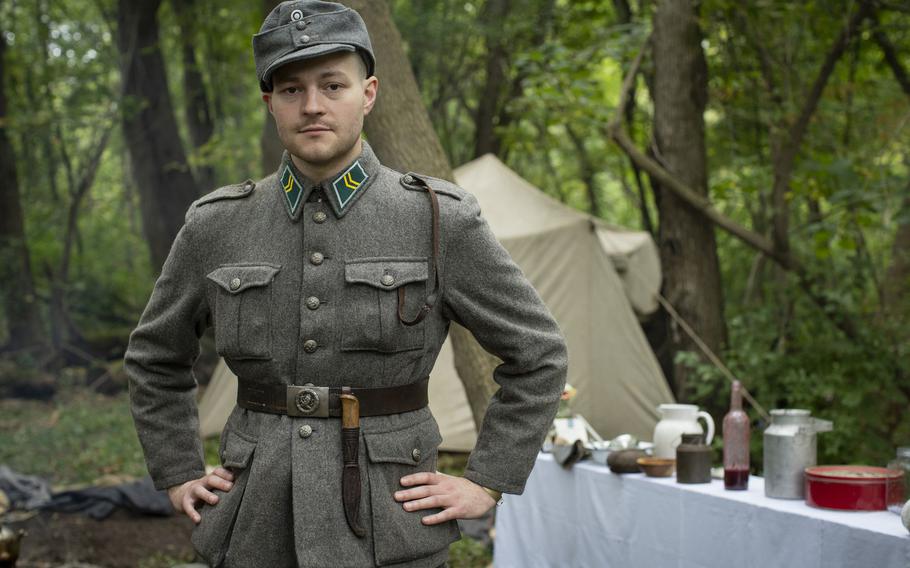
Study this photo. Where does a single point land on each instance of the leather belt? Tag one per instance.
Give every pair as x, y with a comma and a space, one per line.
324, 402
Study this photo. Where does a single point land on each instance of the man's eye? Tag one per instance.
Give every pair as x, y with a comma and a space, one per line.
291, 90
334, 87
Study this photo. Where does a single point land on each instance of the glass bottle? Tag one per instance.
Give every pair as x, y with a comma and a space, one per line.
736, 442
901, 463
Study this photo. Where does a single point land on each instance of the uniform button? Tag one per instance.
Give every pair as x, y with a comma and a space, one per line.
235, 283
301, 25
319, 216
409, 178
416, 454
312, 302
304, 39
310, 345
387, 280
316, 258
305, 431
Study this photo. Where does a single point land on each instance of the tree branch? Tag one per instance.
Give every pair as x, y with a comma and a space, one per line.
891, 56
586, 170
799, 128
765, 61
703, 205
689, 195
786, 149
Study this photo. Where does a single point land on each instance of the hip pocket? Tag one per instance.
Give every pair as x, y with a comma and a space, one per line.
369, 311
399, 535
211, 536
243, 310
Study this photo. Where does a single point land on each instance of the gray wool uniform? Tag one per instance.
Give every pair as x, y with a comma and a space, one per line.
300, 281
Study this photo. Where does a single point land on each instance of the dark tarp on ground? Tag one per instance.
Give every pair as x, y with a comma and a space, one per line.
29, 492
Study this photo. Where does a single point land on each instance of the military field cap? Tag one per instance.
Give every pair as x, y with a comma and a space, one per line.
302, 29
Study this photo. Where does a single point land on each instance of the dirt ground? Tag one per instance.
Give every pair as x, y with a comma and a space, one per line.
126, 540
122, 540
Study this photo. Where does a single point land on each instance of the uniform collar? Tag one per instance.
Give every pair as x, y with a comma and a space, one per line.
342, 189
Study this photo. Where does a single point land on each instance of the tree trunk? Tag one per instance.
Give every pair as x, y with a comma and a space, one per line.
492, 19
624, 17
895, 295
700, 203
196, 104
166, 185
399, 128
896, 300
78, 187
400, 132
269, 143
687, 244
18, 290
586, 171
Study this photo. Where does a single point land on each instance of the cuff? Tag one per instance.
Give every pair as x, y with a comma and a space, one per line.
496, 495
163, 483
488, 482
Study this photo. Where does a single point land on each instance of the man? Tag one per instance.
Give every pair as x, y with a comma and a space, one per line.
330, 285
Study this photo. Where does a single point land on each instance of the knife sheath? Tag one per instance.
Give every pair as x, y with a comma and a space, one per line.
350, 472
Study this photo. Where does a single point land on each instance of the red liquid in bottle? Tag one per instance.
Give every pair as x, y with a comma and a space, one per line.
737, 432
736, 479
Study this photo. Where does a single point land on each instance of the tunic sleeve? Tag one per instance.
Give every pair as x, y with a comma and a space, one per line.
159, 361
487, 293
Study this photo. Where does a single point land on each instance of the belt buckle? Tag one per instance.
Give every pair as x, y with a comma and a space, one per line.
308, 400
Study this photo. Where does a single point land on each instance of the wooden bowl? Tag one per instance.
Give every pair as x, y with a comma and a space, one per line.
657, 467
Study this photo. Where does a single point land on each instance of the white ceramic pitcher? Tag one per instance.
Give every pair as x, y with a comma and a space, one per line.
676, 420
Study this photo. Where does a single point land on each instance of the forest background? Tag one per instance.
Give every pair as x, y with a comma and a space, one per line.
763, 144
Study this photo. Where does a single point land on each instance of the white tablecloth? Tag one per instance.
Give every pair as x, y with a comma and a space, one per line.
588, 516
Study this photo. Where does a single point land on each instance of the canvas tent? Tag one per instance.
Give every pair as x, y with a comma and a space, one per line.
593, 277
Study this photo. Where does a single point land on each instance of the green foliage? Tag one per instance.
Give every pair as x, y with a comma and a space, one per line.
77, 438
210, 448
161, 560
854, 385
563, 66
469, 553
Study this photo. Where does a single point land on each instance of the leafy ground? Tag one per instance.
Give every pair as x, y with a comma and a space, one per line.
81, 437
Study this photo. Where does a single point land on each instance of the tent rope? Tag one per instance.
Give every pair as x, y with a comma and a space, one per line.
715, 360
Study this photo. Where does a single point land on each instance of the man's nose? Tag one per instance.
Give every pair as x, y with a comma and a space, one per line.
312, 104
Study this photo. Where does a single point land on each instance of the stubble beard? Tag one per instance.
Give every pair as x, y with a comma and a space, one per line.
321, 154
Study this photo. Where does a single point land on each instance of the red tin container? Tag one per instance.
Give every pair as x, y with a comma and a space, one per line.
853, 487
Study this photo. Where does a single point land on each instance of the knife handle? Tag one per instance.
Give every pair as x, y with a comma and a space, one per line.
350, 411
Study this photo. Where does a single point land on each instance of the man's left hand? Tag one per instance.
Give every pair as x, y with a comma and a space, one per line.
458, 497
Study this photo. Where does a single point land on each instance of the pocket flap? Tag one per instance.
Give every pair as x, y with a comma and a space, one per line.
408, 446
238, 449
235, 278
385, 273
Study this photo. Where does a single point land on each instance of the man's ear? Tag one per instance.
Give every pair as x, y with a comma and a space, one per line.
267, 98
370, 90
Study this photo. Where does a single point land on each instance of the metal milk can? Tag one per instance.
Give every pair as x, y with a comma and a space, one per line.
790, 447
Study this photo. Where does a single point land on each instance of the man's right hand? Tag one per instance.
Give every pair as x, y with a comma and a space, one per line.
185, 497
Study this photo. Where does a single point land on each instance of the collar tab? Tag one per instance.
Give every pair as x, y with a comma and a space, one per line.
348, 183
293, 190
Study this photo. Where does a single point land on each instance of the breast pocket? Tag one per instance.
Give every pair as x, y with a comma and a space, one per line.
243, 310
369, 310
